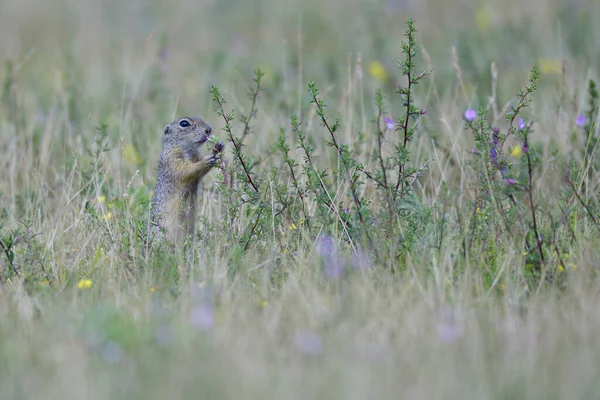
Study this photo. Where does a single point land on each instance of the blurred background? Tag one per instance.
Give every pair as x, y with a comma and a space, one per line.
110, 47
70, 66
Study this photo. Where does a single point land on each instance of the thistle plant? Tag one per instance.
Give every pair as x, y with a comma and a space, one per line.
407, 124
392, 171
502, 184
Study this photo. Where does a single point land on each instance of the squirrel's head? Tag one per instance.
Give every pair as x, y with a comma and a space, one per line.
188, 132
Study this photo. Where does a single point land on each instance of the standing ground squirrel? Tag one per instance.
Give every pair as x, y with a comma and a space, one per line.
181, 167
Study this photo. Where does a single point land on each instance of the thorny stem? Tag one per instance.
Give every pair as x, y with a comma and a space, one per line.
253, 228
254, 97
290, 163
6, 250
585, 206
405, 127
303, 145
532, 205
386, 187
300, 194
522, 103
321, 112
236, 145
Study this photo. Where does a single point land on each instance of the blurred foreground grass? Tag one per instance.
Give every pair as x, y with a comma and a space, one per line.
87, 88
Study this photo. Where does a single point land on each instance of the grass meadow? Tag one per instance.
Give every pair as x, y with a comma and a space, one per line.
407, 205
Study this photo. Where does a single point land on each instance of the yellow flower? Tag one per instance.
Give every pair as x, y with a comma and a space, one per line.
84, 284
560, 268
108, 216
264, 303
293, 226
550, 66
478, 210
152, 290
101, 199
483, 18
377, 71
516, 151
131, 154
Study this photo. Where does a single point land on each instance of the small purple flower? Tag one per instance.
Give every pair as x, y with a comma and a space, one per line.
448, 332
521, 124
449, 327
474, 150
163, 54
389, 123
334, 265
495, 136
17, 239
202, 317
424, 111
510, 181
470, 115
580, 120
494, 154
523, 147
310, 343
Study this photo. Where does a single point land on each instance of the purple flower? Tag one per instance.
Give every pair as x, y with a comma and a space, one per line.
510, 181
424, 111
389, 123
17, 239
521, 124
474, 150
202, 317
163, 54
495, 136
449, 327
310, 343
334, 265
449, 332
580, 120
494, 154
470, 115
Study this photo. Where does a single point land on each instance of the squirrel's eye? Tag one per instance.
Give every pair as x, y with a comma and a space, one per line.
183, 123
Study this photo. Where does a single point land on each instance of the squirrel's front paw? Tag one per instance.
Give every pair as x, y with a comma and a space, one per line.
213, 160
219, 146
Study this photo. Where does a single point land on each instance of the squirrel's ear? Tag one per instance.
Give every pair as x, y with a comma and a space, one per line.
167, 129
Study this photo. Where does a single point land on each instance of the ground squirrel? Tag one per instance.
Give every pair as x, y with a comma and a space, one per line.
181, 167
